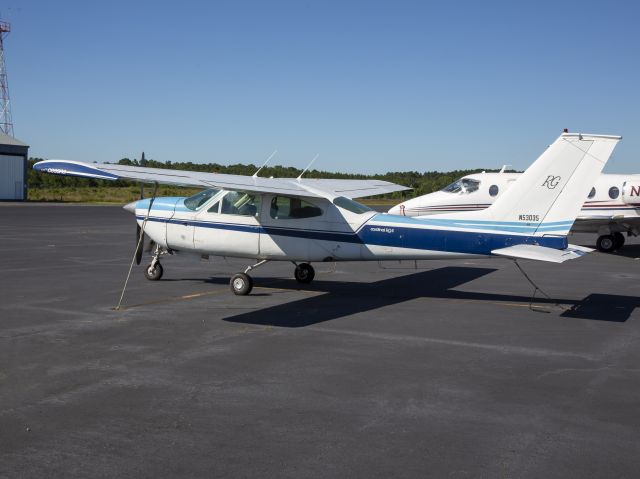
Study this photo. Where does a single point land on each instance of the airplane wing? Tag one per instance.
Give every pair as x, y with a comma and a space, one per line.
325, 188
542, 253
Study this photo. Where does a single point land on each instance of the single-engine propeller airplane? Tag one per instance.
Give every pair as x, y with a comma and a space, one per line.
314, 220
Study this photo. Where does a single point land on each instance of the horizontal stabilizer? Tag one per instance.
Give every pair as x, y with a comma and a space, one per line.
542, 253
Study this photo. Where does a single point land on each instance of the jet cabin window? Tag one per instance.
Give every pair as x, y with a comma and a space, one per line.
464, 186
614, 192
196, 201
287, 208
239, 203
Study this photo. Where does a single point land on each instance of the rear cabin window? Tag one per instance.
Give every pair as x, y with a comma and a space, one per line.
288, 208
592, 193
494, 190
240, 203
351, 205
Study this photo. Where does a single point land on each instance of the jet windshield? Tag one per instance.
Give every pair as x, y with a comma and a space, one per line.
463, 185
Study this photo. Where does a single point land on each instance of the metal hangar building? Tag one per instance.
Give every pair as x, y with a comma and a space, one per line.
13, 168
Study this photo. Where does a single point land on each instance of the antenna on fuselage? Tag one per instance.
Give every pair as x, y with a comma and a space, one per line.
255, 175
308, 166
504, 167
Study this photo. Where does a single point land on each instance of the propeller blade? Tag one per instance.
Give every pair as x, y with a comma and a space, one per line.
139, 245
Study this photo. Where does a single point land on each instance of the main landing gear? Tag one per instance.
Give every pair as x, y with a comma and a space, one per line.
241, 283
609, 243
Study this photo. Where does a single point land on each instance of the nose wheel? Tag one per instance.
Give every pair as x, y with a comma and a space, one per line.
304, 273
154, 271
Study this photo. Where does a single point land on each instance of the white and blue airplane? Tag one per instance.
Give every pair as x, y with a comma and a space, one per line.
309, 220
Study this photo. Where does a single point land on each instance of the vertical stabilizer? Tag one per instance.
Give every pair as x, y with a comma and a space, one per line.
550, 193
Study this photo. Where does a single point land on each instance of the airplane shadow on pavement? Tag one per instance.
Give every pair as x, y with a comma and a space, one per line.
346, 298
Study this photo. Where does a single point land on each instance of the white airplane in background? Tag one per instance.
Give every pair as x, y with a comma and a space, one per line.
611, 209
307, 220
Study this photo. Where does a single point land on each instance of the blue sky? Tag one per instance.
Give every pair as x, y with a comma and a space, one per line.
370, 86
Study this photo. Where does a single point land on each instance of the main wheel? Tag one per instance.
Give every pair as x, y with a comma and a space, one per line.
153, 273
241, 284
618, 239
304, 273
606, 243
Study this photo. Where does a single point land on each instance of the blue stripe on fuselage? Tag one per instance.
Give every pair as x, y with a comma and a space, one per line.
469, 242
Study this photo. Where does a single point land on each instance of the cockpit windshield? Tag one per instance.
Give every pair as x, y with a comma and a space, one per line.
196, 201
463, 185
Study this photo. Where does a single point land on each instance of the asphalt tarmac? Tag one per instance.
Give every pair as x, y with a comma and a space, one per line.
428, 369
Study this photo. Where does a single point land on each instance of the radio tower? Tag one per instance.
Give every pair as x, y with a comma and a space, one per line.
6, 125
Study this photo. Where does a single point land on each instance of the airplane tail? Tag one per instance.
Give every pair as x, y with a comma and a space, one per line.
547, 197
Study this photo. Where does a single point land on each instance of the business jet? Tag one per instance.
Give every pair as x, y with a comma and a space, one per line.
313, 220
612, 206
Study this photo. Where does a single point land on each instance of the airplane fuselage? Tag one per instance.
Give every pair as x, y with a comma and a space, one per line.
269, 227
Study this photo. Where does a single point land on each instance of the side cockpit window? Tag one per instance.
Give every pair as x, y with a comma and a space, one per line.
240, 203
287, 208
462, 186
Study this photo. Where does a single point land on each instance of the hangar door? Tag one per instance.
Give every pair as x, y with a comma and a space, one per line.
11, 177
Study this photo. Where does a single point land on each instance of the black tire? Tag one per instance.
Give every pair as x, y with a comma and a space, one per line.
304, 273
241, 284
155, 273
606, 243
618, 239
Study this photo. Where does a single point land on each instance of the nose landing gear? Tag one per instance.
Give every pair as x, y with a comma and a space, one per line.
154, 271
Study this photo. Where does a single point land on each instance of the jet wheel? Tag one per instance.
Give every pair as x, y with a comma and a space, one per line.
241, 284
304, 273
153, 273
606, 243
618, 239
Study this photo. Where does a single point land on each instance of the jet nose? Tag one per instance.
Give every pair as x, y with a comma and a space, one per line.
131, 207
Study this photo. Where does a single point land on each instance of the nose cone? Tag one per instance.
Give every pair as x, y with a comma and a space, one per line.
131, 207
